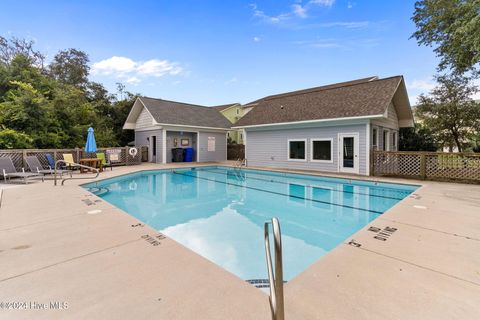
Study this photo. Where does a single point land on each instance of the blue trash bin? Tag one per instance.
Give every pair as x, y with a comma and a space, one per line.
188, 155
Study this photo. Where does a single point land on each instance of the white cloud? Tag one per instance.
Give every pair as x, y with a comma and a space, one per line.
299, 10
133, 80
325, 3
114, 65
345, 24
422, 85
350, 5
257, 39
133, 71
158, 68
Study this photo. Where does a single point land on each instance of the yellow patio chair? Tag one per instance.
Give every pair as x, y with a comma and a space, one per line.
68, 157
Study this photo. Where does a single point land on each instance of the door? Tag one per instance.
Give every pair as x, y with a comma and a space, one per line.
153, 148
348, 149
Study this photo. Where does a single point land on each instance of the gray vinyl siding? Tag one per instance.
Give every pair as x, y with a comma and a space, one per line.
141, 140
390, 123
220, 153
144, 119
269, 148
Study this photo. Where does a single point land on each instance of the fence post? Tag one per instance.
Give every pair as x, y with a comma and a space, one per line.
126, 155
372, 163
423, 166
78, 154
24, 154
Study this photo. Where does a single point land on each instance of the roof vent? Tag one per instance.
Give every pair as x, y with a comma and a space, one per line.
281, 107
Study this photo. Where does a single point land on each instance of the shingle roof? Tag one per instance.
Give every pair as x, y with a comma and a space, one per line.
362, 97
178, 113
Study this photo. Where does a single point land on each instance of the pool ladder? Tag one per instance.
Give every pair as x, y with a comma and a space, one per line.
275, 277
72, 164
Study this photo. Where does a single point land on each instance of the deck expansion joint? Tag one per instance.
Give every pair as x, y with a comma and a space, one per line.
419, 266
70, 259
430, 229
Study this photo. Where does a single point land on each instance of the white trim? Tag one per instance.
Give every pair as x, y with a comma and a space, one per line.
356, 152
387, 146
164, 146
368, 147
245, 146
308, 121
233, 105
198, 147
394, 140
226, 146
331, 150
196, 127
128, 124
376, 135
288, 150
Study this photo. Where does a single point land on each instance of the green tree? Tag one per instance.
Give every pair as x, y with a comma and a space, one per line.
418, 138
10, 139
70, 67
453, 28
449, 112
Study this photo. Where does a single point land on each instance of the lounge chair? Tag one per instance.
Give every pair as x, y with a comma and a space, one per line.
68, 157
50, 160
105, 163
35, 166
7, 169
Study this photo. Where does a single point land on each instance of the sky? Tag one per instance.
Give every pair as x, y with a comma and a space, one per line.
218, 52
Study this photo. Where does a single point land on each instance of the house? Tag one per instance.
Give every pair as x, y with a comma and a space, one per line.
164, 125
234, 112
331, 128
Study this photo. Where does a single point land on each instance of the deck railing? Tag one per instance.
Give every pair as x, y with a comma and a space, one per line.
463, 167
124, 157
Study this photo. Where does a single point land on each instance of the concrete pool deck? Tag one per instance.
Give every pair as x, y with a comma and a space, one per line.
65, 245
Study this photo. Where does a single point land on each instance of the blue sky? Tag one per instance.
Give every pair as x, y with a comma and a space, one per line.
216, 52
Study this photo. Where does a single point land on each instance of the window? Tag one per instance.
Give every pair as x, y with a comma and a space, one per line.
296, 150
241, 135
238, 111
374, 137
321, 150
394, 140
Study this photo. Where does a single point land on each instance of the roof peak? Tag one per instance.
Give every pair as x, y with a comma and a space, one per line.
179, 102
322, 88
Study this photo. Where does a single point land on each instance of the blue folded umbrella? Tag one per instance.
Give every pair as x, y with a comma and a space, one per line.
91, 145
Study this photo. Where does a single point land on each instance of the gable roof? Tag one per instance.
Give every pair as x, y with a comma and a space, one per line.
165, 112
361, 98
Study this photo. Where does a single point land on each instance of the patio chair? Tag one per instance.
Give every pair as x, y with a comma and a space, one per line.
105, 163
7, 169
68, 157
35, 166
50, 160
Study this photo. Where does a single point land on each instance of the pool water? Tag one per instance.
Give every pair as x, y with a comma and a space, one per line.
219, 212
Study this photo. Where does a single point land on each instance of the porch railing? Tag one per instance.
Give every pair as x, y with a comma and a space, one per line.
463, 167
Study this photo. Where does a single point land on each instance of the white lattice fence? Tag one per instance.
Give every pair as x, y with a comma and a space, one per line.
427, 165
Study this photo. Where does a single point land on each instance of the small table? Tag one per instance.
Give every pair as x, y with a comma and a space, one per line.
91, 162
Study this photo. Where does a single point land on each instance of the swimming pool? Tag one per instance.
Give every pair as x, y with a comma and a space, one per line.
219, 212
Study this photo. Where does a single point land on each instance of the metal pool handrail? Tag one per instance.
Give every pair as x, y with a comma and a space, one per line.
276, 281
76, 165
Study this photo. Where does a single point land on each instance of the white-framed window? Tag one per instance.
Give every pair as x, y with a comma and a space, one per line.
386, 140
297, 150
321, 150
375, 136
394, 140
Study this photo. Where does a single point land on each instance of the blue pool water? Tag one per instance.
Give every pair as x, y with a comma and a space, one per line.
219, 212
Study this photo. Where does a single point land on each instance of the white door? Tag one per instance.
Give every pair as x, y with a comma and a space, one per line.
348, 149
